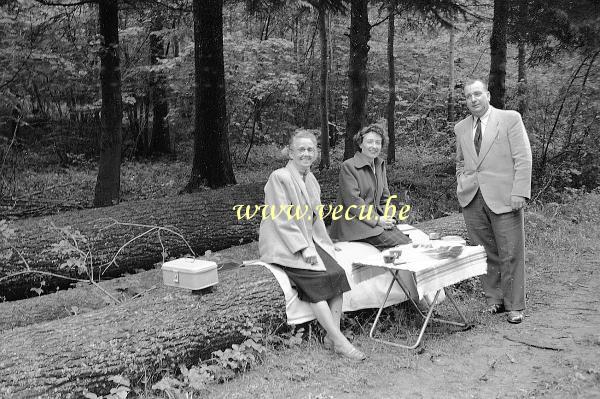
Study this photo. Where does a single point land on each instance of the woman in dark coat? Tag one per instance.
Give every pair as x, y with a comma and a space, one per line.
363, 187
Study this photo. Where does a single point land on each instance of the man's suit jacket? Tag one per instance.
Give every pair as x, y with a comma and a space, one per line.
503, 167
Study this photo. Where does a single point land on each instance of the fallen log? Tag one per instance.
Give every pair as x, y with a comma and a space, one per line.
161, 329
205, 219
86, 298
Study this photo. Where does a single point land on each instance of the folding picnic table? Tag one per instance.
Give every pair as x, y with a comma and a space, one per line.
430, 275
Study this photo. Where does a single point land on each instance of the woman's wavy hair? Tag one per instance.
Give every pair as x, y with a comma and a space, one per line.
372, 128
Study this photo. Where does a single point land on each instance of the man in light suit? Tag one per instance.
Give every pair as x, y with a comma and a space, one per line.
493, 173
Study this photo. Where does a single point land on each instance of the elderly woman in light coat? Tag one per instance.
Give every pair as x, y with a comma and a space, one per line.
300, 244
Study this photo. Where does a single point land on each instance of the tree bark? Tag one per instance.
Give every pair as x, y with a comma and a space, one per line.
86, 298
157, 331
160, 141
212, 165
391, 107
452, 82
357, 73
496, 81
522, 68
324, 92
207, 220
108, 183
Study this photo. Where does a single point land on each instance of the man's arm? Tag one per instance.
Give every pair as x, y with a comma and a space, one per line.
522, 161
460, 159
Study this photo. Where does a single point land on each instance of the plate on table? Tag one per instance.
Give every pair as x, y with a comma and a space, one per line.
454, 240
444, 252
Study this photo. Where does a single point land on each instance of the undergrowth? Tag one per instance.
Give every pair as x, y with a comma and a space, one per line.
188, 382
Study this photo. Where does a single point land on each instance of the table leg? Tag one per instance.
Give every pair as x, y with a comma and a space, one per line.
421, 332
381, 309
407, 293
448, 292
426, 318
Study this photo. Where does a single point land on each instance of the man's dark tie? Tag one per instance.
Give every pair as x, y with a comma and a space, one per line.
477, 139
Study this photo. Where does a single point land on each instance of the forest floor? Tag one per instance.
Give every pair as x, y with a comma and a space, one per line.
554, 353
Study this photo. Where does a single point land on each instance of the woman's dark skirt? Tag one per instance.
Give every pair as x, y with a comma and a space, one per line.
315, 286
388, 239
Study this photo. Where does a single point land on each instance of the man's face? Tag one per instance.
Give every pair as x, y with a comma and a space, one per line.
478, 99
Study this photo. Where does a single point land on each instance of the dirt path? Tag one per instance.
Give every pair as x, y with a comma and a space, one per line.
484, 362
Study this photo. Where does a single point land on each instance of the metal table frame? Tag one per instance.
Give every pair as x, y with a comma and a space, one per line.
428, 317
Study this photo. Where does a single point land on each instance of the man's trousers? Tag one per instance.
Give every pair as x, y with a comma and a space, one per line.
503, 237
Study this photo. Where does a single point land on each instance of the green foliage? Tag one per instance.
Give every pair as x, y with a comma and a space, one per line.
6, 234
222, 366
49, 59
70, 249
561, 126
119, 392
47, 56
258, 77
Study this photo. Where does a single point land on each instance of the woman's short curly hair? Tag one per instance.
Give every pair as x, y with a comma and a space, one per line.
302, 133
298, 134
372, 128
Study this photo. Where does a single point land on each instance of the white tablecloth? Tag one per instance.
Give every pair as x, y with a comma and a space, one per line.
432, 274
369, 284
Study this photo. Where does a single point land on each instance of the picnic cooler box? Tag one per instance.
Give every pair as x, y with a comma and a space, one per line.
190, 273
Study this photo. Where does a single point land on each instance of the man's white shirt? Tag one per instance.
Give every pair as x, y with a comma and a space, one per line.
484, 121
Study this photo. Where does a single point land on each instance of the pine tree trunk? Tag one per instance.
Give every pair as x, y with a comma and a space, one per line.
324, 89
522, 68
212, 165
452, 82
357, 73
496, 81
108, 183
160, 141
391, 108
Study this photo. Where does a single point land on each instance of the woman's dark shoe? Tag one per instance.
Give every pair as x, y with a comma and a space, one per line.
327, 343
495, 308
514, 316
350, 352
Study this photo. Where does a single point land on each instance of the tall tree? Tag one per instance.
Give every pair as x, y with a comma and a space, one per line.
212, 160
391, 106
160, 141
497, 77
452, 81
324, 8
324, 87
434, 13
108, 182
357, 73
